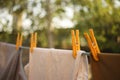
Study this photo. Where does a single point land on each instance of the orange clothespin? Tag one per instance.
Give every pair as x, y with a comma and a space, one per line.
75, 42
33, 41
94, 40
18, 41
21, 40
92, 48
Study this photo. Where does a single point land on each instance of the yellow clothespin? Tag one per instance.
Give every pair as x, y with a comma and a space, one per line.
18, 41
92, 48
33, 41
21, 40
94, 40
75, 42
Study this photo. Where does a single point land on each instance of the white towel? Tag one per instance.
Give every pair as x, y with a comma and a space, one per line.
55, 64
81, 67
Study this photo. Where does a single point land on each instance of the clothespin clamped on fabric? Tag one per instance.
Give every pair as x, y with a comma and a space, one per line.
75, 42
92, 43
33, 41
18, 41
94, 40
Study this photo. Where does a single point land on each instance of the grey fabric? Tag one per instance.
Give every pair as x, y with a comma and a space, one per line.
11, 63
107, 68
25, 58
26, 69
25, 55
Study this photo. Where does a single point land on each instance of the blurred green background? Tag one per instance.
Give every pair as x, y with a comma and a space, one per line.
53, 20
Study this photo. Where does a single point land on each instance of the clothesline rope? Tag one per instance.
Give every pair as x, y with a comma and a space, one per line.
24, 47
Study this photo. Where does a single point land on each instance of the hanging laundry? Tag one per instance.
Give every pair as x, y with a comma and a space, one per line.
25, 55
26, 69
10, 63
81, 67
55, 64
107, 68
25, 59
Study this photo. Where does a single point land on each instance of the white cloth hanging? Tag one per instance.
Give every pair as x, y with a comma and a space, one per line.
56, 64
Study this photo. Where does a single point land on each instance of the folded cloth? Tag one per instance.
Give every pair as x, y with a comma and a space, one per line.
107, 68
56, 64
10, 63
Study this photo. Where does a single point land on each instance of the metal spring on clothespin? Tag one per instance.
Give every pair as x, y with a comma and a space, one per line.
92, 43
75, 42
18, 41
33, 41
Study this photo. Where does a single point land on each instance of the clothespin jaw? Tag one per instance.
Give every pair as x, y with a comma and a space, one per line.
92, 48
94, 40
75, 42
33, 41
18, 41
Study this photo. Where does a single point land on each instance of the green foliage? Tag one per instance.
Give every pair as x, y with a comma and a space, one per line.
104, 18
101, 15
